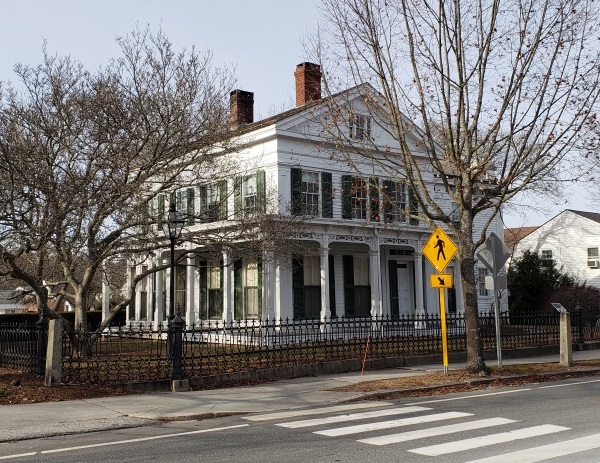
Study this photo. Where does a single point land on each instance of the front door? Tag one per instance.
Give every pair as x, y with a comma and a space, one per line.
404, 285
401, 288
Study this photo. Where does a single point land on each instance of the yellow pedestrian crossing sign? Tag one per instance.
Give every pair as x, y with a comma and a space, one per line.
439, 249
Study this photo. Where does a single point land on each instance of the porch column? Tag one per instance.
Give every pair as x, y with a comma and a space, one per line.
150, 296
325, 308
268, 289
420, 308
158, 293
375, 280
190, 300
105, 295
138, 295
227, 288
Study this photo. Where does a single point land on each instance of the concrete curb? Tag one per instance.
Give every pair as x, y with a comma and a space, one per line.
188, 417
385, 393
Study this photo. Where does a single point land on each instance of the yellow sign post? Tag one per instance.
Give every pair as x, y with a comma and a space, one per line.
439, 250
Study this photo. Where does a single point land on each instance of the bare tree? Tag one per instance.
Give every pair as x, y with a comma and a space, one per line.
493, 95
85, 153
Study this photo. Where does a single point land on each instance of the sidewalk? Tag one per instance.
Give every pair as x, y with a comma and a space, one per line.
57, 418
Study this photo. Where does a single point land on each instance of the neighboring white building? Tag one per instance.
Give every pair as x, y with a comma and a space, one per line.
10, 302
367, 248
572, 240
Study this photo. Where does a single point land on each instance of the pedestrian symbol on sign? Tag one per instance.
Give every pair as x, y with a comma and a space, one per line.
440, 245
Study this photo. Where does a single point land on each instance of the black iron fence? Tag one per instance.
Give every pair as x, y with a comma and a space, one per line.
139, 353
23, 345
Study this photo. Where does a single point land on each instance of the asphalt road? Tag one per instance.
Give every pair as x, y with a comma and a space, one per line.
550, 422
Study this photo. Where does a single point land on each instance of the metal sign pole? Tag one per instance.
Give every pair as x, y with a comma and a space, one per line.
444, 333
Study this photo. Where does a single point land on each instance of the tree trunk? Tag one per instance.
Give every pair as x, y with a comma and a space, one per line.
466, 253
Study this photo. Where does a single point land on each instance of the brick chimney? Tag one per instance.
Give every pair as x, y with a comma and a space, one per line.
308, 83
241, 108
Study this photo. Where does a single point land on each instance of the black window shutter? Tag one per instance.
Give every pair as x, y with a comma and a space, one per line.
296, 191
393, 270
203, 206
346, 197
326, 195
331, 263
349, 285
203, 287
374, 198
298, 286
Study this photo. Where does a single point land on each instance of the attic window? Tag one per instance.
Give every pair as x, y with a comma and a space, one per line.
360, 127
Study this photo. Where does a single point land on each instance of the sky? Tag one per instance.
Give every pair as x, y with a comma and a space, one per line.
262, 39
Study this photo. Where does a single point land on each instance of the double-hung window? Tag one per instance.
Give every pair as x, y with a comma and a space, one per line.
213, 200
481, 274
547, 259
359, 195
360, 127
395, 200
250, 195
311, 193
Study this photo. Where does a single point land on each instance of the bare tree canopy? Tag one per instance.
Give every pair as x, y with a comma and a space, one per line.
494, 95
82, 154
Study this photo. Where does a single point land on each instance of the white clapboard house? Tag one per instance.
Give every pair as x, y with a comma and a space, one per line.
365, 251
571, 239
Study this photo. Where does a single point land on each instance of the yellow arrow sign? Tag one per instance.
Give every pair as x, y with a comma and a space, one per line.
440, 280
439, 249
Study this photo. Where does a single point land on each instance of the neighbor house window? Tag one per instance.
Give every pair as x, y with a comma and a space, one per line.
546, 257
481, 274
360, 127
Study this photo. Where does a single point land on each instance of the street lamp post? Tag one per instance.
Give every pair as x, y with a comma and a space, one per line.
172, 228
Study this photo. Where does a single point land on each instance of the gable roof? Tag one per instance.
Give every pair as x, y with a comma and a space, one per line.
588, 215
513, 235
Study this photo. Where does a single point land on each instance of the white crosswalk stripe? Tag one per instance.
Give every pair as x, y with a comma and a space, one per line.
315, 411
546, 452
373, 411
483, 441
437, 431
391, 424
351, 417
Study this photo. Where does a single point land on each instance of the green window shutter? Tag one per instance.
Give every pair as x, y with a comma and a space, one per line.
413, 206
173, 198
191, 207
261, 192
203, 288
260, 288
374, 198
326, 195
237, 198
348, 285
296, 191
388, 206
203, 204
346, 197
238, 291
161, 206
223, 200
